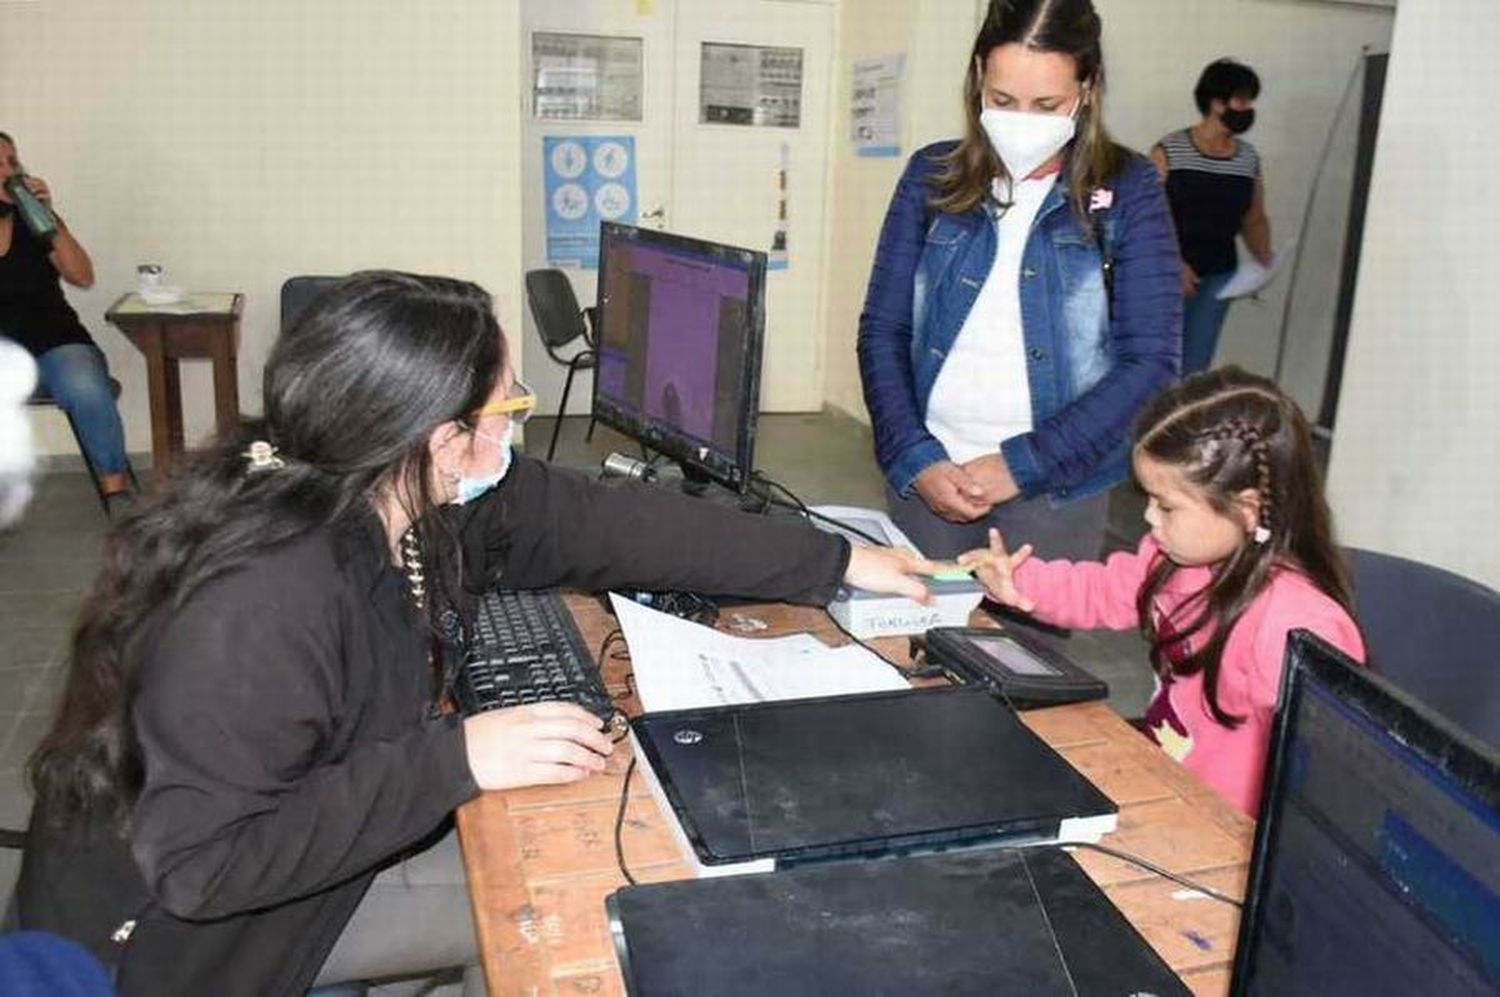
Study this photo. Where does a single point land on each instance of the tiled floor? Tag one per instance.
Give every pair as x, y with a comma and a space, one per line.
48, 562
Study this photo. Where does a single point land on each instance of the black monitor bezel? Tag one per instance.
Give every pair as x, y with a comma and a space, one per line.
1433, 737
697, 456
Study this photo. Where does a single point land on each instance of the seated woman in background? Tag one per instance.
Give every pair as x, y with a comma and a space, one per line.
242, 788
34, 312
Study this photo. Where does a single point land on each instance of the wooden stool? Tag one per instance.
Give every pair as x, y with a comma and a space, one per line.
205, 326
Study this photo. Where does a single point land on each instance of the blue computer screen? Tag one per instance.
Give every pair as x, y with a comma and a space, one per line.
1383, 871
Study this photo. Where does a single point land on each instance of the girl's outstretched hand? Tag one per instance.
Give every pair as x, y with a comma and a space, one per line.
995, 568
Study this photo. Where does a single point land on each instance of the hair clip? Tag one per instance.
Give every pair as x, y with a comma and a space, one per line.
1101, 199
262, 457
1261, 534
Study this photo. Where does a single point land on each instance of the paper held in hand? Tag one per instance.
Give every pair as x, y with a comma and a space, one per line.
1250, 275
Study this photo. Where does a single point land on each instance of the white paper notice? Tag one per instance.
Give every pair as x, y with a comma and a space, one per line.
1250, 275
680, 665
875, 106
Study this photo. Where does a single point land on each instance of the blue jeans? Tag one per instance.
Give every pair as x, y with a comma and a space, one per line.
1202, 319
77, 376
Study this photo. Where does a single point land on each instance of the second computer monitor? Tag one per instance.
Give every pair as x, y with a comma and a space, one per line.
681, 324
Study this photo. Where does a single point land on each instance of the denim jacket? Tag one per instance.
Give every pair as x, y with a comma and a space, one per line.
1094, 356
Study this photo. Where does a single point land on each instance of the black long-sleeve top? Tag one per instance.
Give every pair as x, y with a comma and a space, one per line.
289, 753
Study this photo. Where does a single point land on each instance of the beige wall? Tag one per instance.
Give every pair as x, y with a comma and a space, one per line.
935, 36
238, 142
1416, 451
1154, 50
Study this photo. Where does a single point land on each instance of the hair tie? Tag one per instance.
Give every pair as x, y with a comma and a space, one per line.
261, 456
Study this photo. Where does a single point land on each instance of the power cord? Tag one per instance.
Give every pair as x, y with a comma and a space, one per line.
1152, 867
620, 824
797, 505
905, 673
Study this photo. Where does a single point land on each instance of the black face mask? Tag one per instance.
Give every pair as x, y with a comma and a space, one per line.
1238, 122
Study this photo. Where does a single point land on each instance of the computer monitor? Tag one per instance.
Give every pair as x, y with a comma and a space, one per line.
1377, 856
680, 328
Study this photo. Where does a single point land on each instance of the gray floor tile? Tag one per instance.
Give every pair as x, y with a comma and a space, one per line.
16, 686
34, 541
42, 573
15, 800
25, 735
28, 647
21, 609
44, 690
10, 870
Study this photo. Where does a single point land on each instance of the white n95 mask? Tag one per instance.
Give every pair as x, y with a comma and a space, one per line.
1023, 140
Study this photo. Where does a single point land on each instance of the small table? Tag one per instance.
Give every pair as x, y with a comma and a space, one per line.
203, 326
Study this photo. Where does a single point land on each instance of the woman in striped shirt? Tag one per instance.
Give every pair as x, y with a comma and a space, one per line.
1216, 191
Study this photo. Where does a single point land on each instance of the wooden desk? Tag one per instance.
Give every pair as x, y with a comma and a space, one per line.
206, 326
540, 861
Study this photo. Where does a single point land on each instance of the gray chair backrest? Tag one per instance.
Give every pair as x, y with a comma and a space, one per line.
555, 308
299, 292
1433, 633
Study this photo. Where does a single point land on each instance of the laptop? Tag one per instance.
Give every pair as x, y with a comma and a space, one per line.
979, 922
1377, 856
873, 774
1376, 870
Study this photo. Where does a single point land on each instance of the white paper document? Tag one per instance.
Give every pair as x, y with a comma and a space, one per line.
1250, 275
680, 665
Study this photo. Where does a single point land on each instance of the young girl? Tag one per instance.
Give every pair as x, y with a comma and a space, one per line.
1240, 553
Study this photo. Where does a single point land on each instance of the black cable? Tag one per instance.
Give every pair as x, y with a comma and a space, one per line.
620, 824
905, 673
800, 506
1152, 867
609, 638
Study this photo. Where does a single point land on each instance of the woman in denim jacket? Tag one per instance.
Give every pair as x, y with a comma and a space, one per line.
1024, 301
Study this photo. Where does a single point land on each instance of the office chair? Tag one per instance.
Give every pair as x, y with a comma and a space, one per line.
1433, 633
560, 321
41, 398
299, 292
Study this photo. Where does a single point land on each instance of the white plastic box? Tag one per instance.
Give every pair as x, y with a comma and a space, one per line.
868, 614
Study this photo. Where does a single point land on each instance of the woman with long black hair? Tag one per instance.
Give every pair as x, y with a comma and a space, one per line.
250, 734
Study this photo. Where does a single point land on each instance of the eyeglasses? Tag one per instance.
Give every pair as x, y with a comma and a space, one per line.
519, 402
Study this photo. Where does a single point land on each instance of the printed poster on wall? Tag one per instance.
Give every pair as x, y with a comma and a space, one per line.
585, 77
876, 106
750, 85
589, 179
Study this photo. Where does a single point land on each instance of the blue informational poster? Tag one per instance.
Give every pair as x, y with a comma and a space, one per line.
589, 179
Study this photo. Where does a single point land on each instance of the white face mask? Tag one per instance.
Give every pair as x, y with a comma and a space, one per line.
1023, 140
470, 488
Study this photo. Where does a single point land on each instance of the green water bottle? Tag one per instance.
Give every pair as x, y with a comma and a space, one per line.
37, 216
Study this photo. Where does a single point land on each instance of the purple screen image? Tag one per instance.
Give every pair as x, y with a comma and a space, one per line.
664, 348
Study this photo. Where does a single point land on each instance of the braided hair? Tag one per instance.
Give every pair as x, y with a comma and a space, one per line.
1227, 431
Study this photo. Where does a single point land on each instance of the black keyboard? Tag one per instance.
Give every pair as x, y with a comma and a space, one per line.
525, 648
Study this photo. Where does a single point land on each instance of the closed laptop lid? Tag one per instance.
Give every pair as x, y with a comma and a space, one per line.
814, 778
982, 922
